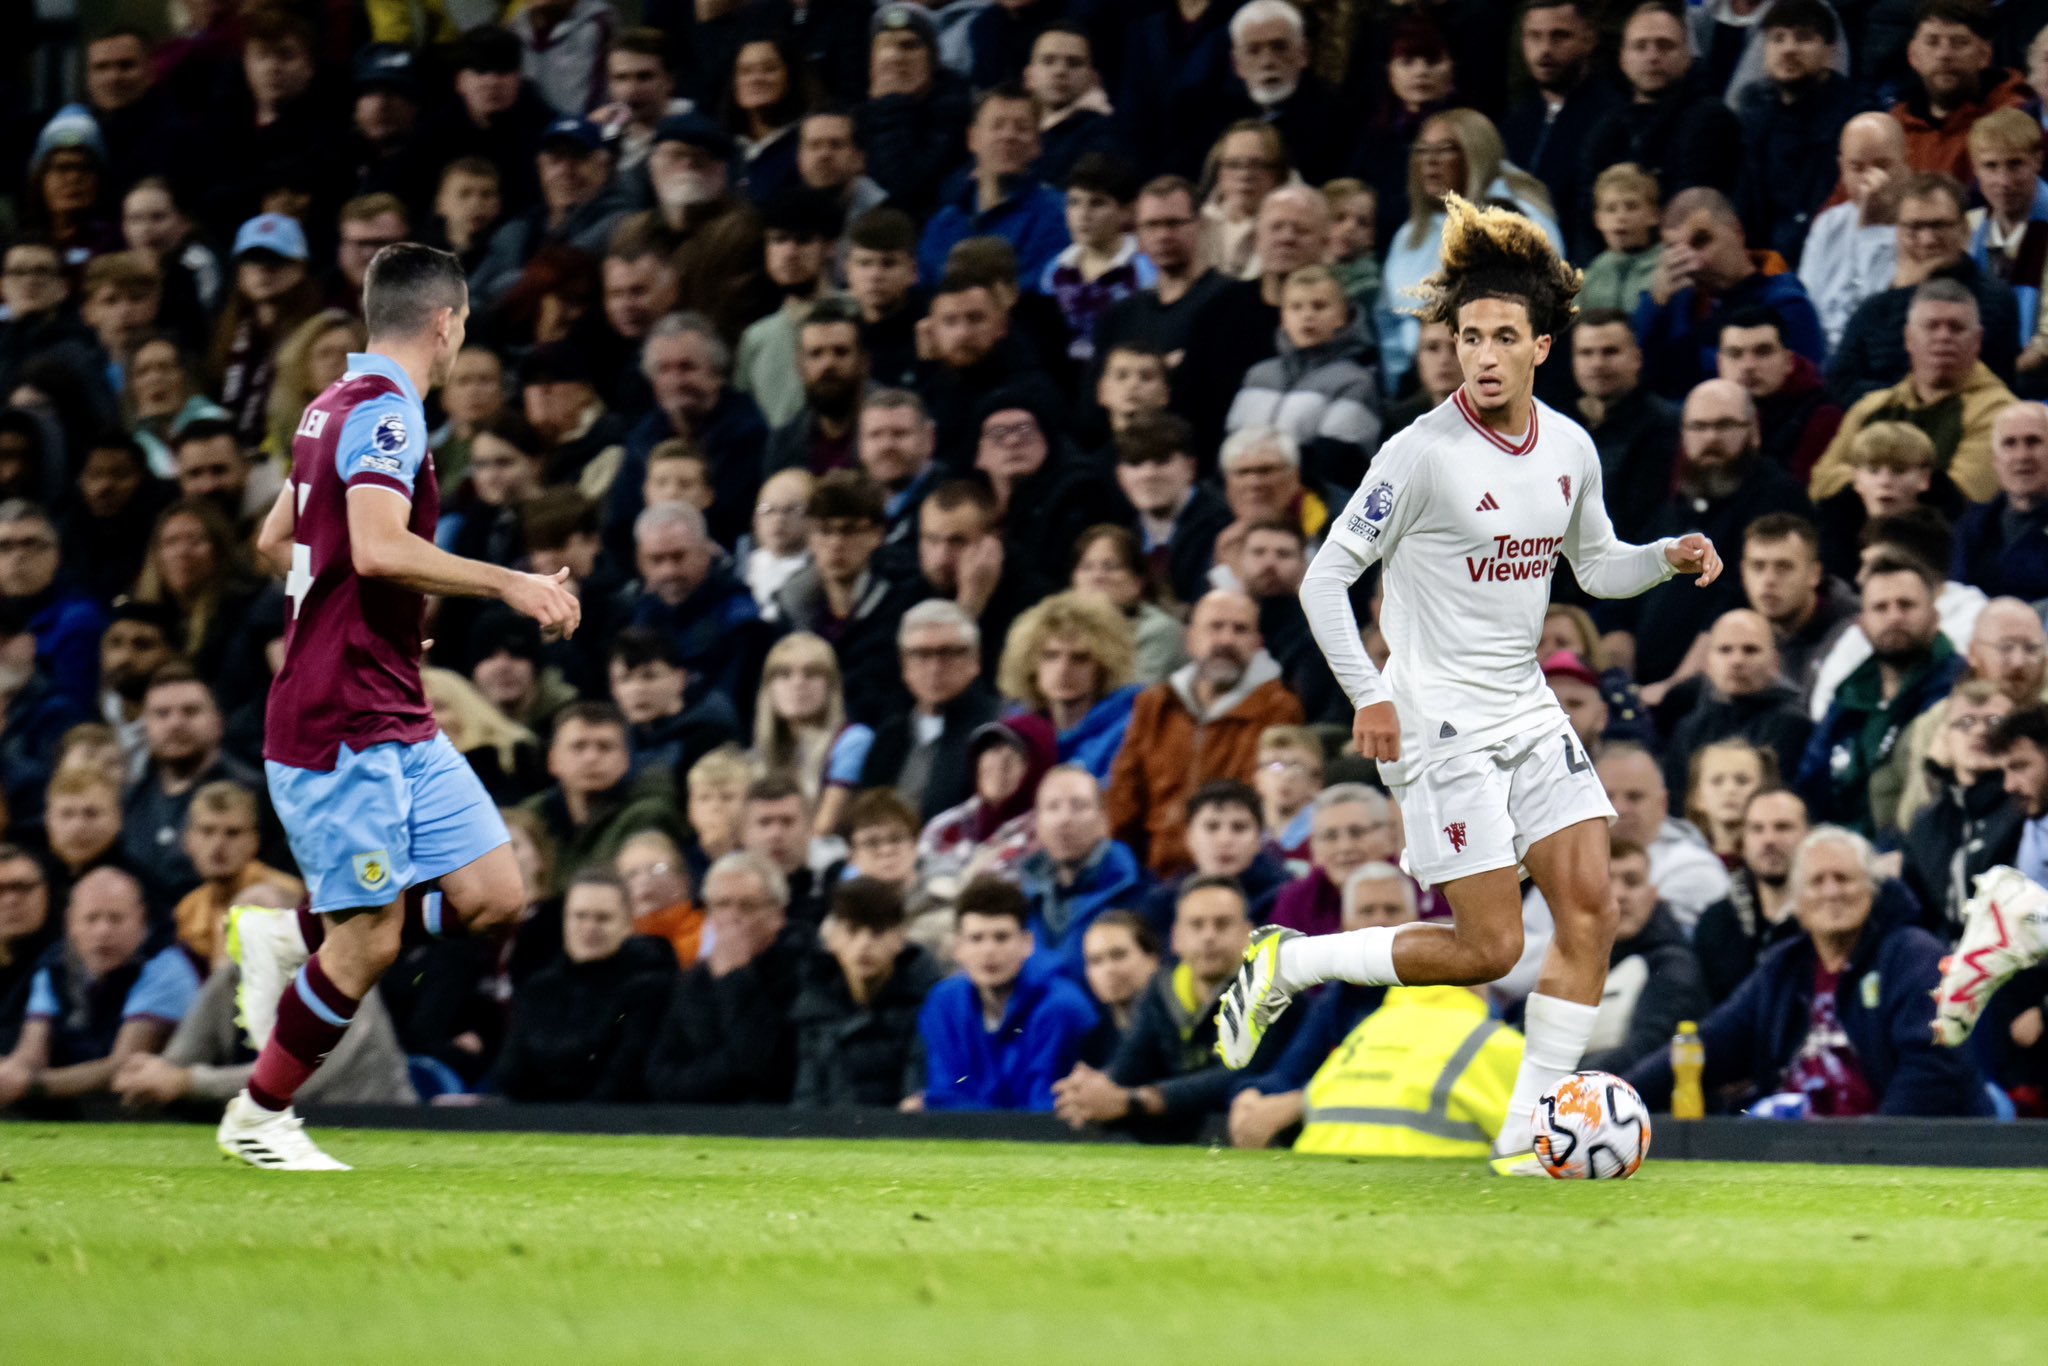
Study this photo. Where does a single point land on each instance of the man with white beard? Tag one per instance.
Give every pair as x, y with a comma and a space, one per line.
1269, 54
714, 233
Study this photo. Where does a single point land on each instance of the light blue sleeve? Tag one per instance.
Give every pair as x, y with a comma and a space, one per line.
849, 754
165, 990
42, 997
382, 442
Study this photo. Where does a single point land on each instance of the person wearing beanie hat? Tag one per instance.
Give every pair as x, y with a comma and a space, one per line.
914, 123
1047, 494
799, 226
67, 191
384, 126
713, 231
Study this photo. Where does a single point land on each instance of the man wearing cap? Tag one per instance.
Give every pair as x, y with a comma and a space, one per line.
1577, 689
579, 206
494, 114
384, 144
270, 260
998, 196
565, 42
66, 622
915, 120
714, 234
66, 184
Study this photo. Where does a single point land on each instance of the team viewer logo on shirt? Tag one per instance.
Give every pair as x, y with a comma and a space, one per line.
373, 870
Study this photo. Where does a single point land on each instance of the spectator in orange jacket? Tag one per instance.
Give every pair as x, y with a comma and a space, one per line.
1956, 84
1203, 723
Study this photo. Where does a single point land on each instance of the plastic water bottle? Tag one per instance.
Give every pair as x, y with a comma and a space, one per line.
1688, 1064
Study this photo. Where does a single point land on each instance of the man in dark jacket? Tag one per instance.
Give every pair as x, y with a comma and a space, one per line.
1269, 58
1744, 698
973, 355
842, 596
1176, 77
1971, 823
1675, 125
687, 591
1225, 840
1653, 979
1912, 666
1634, 430
2002, 545
1164, 1081
494, 115
914, 124
1791, 122
581, 1025
726, 1038
595, 803
1757, 912
649, 684
922, 753
578, 207
1795, 415
857, 1003
1178, 519
1546, 130
1723, 486
1844, 1013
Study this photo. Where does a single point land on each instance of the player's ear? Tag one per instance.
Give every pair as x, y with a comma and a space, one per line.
1542, 348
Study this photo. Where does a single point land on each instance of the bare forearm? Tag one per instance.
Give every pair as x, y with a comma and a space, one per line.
79, 1079
418, 564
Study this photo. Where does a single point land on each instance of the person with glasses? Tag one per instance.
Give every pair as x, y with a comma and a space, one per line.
1958, 817
2008, 652
994, 828
1248, 163
1933, 244
922, 751
2002, 545
657, 881
26, 929
1169, 233
725, 1037
38, 325
65, 621
369, 223
775, 550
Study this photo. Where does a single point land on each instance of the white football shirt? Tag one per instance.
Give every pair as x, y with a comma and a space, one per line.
1469, 525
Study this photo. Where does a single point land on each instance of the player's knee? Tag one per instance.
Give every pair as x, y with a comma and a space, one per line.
1585, 911
1490, 953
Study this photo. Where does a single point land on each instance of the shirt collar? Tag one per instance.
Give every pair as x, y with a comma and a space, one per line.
369, 363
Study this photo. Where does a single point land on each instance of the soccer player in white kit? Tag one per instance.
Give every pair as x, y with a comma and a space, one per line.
1468, 509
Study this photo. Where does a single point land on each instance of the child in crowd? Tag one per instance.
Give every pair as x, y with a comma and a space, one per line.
1103, 266
1354, 241
1289, 775
1321, 389
1625, 210
1892, 467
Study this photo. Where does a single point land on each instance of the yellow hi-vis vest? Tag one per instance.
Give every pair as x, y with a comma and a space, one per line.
1428, 1074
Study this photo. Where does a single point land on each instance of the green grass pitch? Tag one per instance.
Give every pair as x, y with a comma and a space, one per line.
141, 1245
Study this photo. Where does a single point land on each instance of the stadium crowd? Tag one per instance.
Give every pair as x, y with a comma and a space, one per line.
935, 407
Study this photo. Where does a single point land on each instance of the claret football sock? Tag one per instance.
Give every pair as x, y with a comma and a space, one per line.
1557, 1031
310, 1021
311, 927
1363, 957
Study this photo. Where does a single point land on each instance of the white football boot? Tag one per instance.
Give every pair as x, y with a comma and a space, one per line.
2005, 929
273, 1140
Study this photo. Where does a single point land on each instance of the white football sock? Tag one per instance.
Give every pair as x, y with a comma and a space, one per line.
1557, 1031
1362, 957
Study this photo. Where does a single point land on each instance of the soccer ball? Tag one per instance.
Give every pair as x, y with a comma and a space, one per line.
1591, 1126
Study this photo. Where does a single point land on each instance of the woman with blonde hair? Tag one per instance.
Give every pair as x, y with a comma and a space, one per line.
1247, 163
1071, 659
311, 358
505, 755
1723, 777
1458, 151
800, 726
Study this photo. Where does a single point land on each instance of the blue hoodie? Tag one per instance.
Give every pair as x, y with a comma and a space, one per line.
1093, 744
1040, 1039
1109, 880
1032, 217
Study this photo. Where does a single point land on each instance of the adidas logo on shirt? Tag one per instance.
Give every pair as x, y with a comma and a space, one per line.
1487, 504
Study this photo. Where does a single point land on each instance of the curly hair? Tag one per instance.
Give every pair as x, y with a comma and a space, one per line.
1094, 622
1491, 253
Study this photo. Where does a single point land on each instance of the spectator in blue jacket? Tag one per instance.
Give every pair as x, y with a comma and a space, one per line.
1268, 1103
66, 622
999, 1033
1842, 1015
100, 996
1912, 666
2002, 545
1077, 871
1706, 274
688, 592
998, 196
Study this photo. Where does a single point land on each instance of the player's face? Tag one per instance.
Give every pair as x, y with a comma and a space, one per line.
595, 923
1223, 839
1210, 931
1771, 829
1347, 836
1834, 895
991, 950
1633, 894
1498, 351
1117, 967
219, 843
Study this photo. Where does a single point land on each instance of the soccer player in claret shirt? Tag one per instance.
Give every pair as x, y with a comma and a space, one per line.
1468, 510
374, 798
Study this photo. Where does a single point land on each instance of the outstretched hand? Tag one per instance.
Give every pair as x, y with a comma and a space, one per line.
1693, 553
